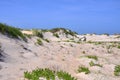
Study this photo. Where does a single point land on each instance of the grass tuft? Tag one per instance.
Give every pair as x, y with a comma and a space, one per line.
47, 74
11, 31
117, 70
92, 57
83, 69
39, 42
93, 64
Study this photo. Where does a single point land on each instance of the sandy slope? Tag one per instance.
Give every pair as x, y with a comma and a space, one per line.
59, 55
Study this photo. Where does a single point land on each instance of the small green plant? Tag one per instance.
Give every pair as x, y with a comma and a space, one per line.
98, 43
117, 70
47, 74
93, 64
118, 46
83, 69
47, 40
28, 35
39, 42
38, 33
65, 76
56, 35
92, 57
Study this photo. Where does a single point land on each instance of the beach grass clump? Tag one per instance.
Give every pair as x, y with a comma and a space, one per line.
38, 33
28, 36
92, 57
65, 76
118, 47
39, 42
91, 63
11, 31
56, 35
66, 31
47, 74
83, 69
47, 40
117, 70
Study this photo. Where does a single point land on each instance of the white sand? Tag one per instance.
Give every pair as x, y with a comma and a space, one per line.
21, 56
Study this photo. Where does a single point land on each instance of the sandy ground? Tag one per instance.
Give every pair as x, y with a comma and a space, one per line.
20, 56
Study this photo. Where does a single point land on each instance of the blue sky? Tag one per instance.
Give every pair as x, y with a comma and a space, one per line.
82, 16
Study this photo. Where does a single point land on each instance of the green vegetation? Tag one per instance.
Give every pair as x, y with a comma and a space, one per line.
38, 33
117, 70
118, 46
66, 31
11, 31
95, 42
93, 64
39, 42
47, 40
83, 69
47, 74
65, 76
28, 35
92, 57
56, 35
73, 41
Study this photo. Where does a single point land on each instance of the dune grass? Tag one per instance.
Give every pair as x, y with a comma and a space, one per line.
83, 69
56, 35
66, 31
118, 46
117, 70
47, 40
47, 74
92, 57
38, 33
11, 31
39, 42
93, 64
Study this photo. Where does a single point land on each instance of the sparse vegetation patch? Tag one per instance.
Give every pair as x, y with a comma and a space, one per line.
39, 42
38, 33
83, 69
47, 40
47, 74
66, 31
118, 46
92, 57
56, 35
11, 31
117, 70
93, 64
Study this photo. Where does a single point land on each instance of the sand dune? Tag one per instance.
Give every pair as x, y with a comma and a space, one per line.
17, 56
